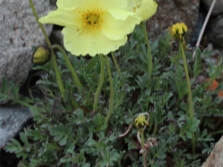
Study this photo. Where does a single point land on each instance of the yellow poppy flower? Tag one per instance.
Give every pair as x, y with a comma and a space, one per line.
178, 30
144, 9
141, 121
93, 26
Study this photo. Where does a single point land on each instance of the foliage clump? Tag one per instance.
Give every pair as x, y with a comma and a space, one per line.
174, 100
68, 133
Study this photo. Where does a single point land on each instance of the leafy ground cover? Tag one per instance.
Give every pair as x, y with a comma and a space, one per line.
68, 132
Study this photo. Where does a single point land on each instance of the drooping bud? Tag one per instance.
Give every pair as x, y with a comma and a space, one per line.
41, 55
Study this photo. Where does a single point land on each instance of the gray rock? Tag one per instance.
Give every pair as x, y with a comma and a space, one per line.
214, 31
218, 8
12, 119
215, 159
57, 37
53, 2
170, 12
19, 31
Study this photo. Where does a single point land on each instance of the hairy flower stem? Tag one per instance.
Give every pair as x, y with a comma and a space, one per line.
40, 25
190, 101
57, 73
101, 81
110, 110
115, 62
142, 147
149, 53
74, 75
55, 66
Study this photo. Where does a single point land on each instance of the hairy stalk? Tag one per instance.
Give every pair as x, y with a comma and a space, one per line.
57, 73
115, 62
216, 132
188, 81
74, 75
144, 160
101, 81
190, 101
40, 25
110, 110
149, 53
155, 127
142, 145
55, 66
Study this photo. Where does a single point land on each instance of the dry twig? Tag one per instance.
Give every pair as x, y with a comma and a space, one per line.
203, 27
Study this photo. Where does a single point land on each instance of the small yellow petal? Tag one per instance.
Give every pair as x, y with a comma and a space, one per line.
96, 43
67, 4
147, 9
144, 9
60, 17
114, 4
115, 29
122, 14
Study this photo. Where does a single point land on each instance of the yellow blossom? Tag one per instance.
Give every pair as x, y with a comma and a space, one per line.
144, 9
178, 31
141, 121
93, 26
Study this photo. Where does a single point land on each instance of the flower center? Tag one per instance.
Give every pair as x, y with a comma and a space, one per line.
92, 19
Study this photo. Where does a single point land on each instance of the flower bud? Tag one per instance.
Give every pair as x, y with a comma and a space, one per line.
178, 31
41, 55
141, 121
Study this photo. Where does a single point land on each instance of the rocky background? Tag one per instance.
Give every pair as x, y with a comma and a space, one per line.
19, 32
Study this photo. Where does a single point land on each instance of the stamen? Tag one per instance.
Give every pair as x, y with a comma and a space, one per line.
92, 19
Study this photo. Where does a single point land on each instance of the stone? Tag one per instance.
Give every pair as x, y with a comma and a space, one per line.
215, 159
57, 37
170, 12
218, 8
214, 31
12, 120
19, 31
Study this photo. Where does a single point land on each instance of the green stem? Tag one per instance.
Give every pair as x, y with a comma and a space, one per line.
101, 81
142, 146
149, 53
110, 110
216, 132
155, 127
59, 81
190, 101
74, 75
142, 137
40, 25
115, 62
22, 103
57, 73
188, 81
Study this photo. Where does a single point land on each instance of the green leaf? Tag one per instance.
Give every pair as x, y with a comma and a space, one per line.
23, 138
13, 146
63, 141
189, 134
